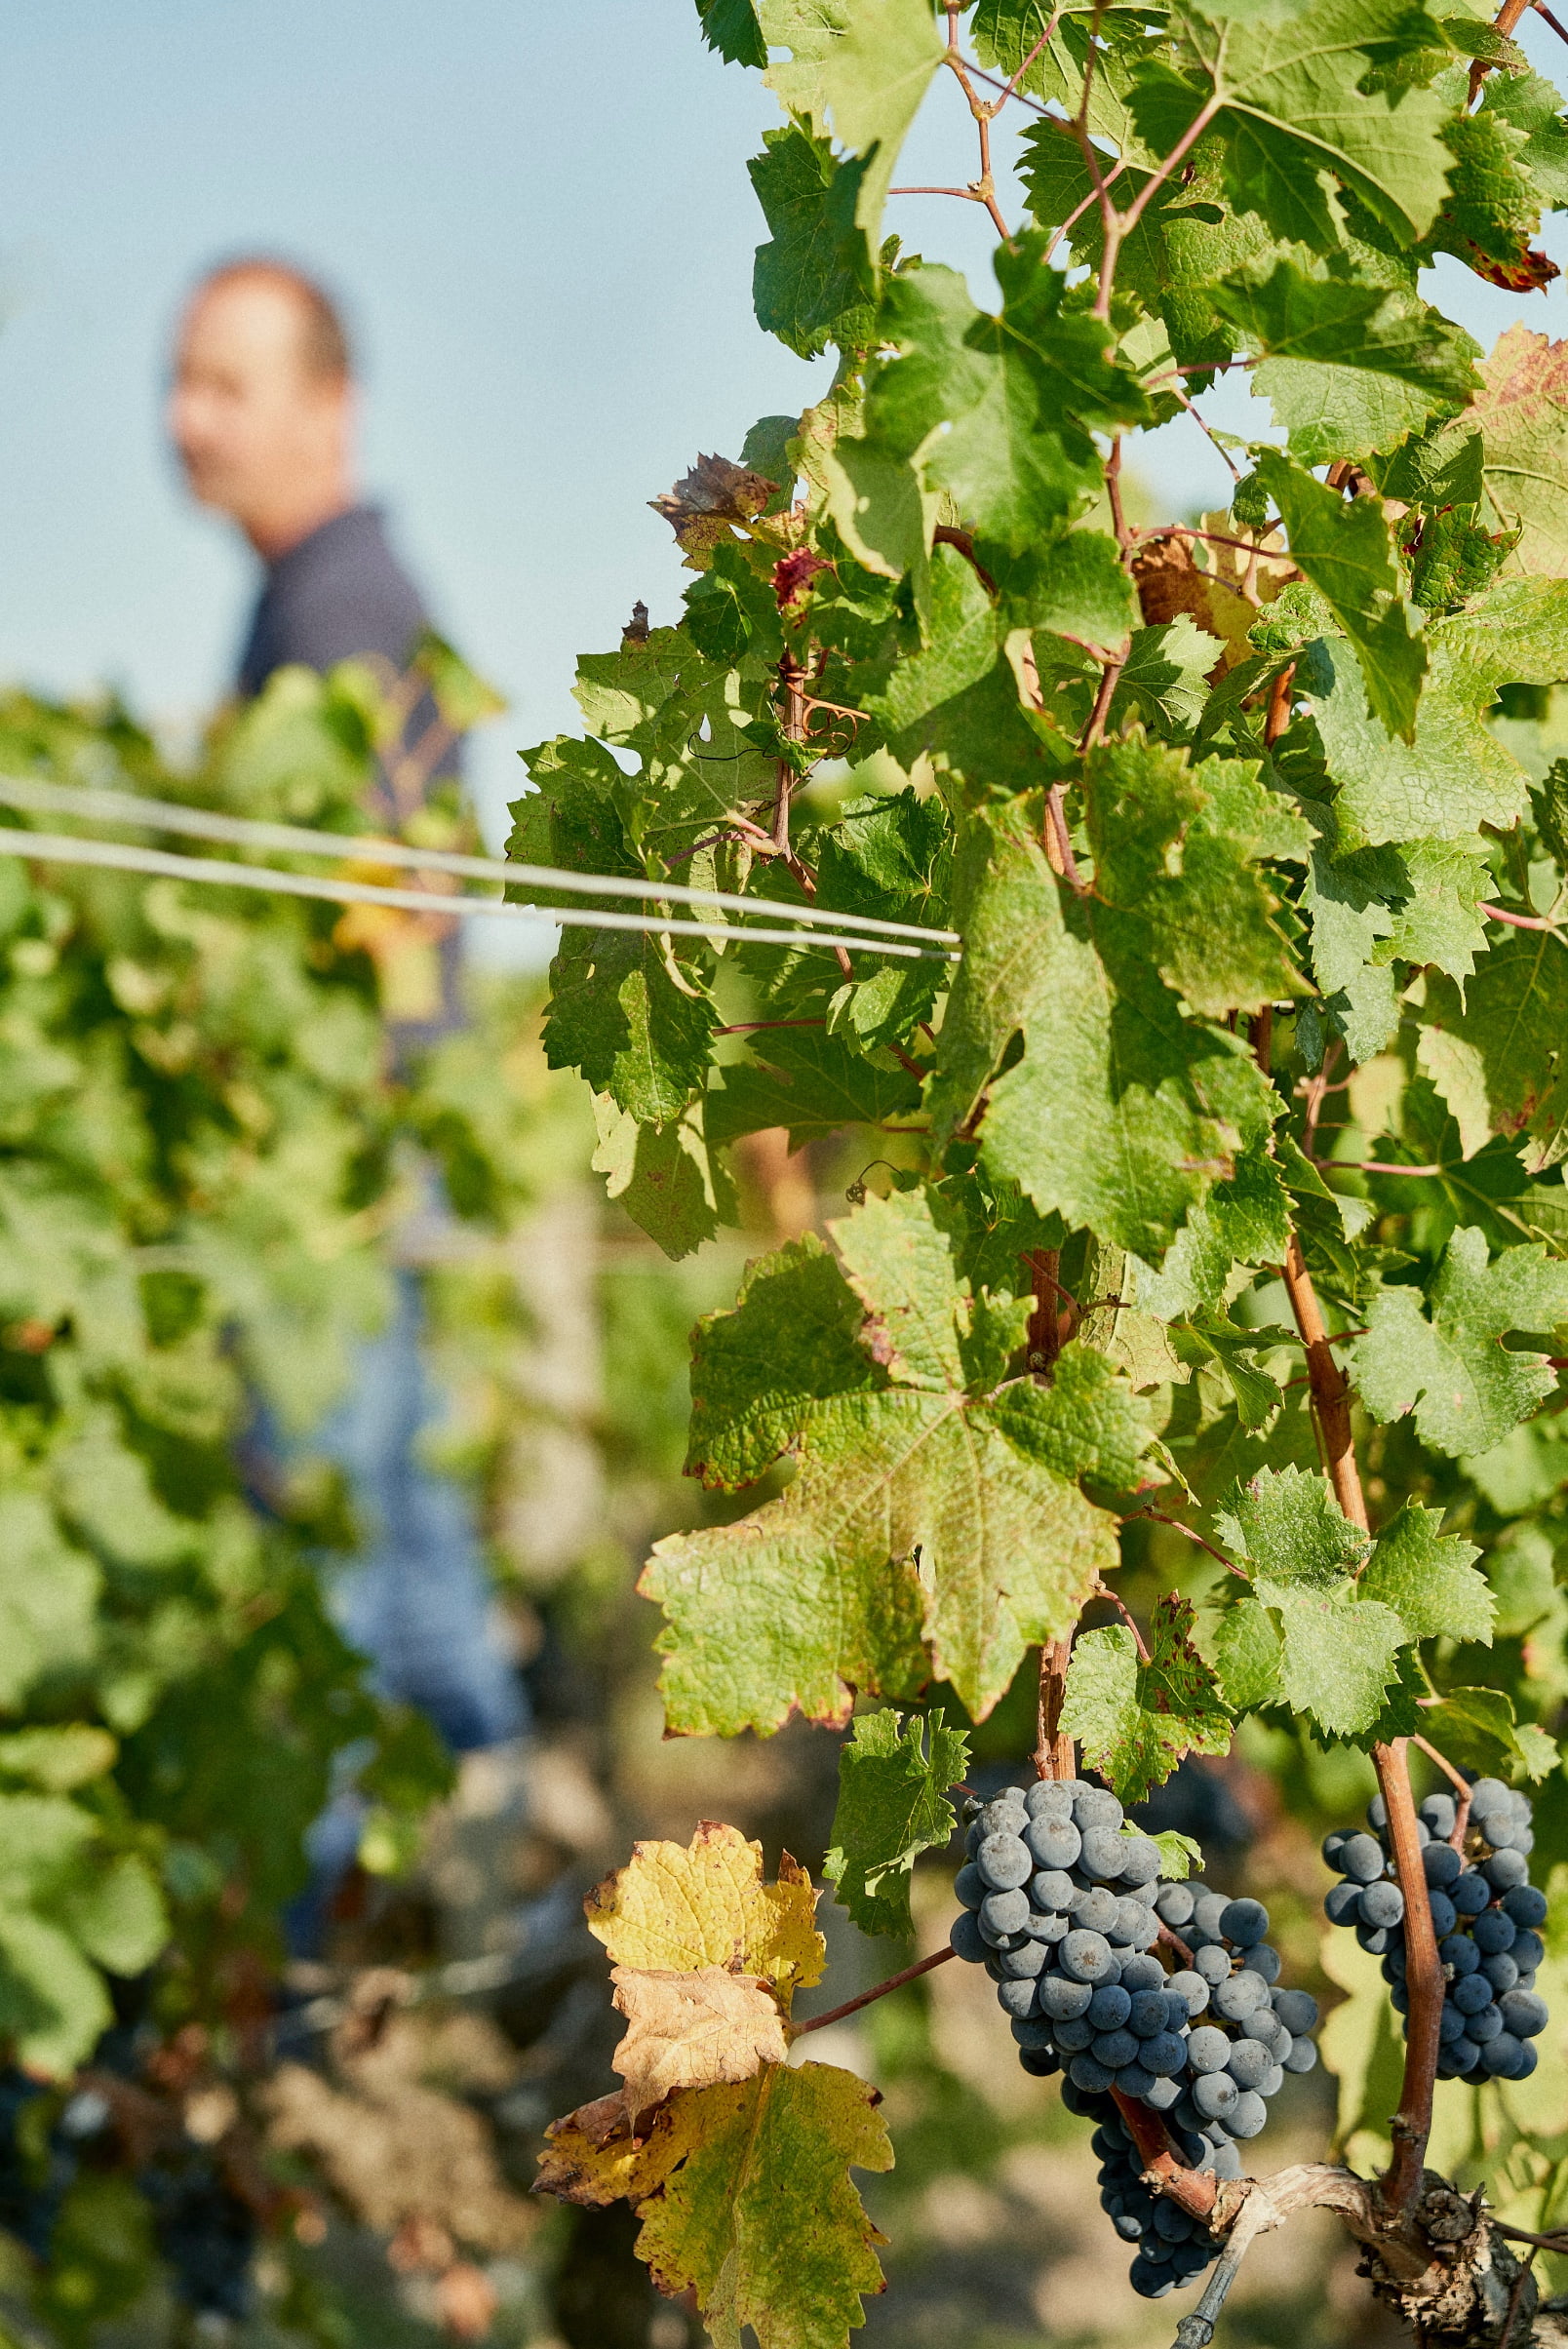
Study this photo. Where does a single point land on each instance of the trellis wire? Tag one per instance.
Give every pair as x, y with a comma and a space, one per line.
95, 805
123, 856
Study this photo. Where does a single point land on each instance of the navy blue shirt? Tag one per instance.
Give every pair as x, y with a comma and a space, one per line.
339, 595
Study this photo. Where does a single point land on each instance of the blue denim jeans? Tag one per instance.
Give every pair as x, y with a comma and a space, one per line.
415, 1600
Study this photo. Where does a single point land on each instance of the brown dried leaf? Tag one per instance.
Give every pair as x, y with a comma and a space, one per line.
714, 486
1526, 272
701, 508
688, 2030
591, 2156
1169, 583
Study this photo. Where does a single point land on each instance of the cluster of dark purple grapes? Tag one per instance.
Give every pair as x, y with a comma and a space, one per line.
1070, 1915
1484, 1913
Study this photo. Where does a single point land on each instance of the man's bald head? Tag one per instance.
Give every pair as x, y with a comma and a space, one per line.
261, 406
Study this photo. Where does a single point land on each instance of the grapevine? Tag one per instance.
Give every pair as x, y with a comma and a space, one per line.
1190, 1347
198, 1164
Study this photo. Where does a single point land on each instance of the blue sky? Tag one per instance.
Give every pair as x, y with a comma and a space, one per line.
541, 220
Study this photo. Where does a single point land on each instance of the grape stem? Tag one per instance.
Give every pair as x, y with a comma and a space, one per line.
1197, 2328
1191, 2190
1055, 1755
1461, 1786
1411, 2124
894, 1981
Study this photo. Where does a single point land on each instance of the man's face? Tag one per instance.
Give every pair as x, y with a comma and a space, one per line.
255, 432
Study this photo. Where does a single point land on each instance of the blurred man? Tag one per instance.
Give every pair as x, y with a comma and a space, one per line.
262, 411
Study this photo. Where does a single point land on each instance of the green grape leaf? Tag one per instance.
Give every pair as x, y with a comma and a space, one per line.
1347, 367
859, 69
809, 1081
814, 281
1447, 1364
1289, 1527
731, 610
1343, 548
914, 1521
1438, 918
731, 28
893, 1777
1493, 209
1454, 774
1074, 586
1429, 1578
635, 1017
58, 1760
1478, 1728
1116, 1116
1210, 1338
1335, 1652
1136, 1720
53, 2003
1164, 681
1338, 1655
1178, 1854
1294, 106
1086, 1423
118, 1915
1244, 1220
993, 409
1179, 844
1244, 1646
1522, 412
48, 1603
667, 1177
1495, 1051
789, 1340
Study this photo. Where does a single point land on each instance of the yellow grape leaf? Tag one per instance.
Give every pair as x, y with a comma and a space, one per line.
758, 2215
679, 1910
688, 2030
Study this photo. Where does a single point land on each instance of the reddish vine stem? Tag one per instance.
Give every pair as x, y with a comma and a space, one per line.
1520, 922
1157, 1516
894, 1981
1544, 13
1330, 1389
1055, 1755
1411, 2124
1506, 17
1044, 1334
1170, 1939
1110, 678
1278, 717
1461, 1786
946, 534
1125, 1612
1193, 2190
